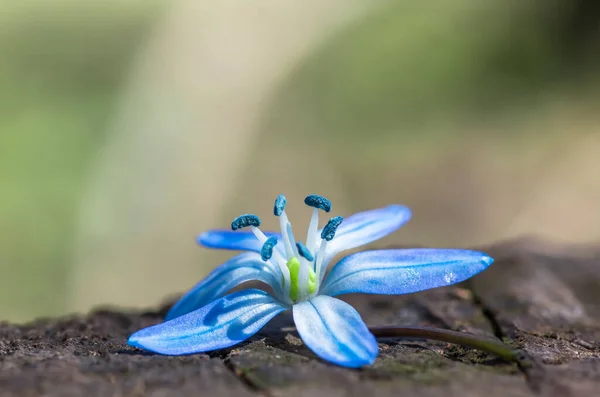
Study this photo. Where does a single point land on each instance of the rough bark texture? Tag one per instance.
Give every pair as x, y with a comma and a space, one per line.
542, 298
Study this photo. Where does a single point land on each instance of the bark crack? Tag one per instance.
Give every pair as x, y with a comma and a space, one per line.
490, 317
528, 366
244, 378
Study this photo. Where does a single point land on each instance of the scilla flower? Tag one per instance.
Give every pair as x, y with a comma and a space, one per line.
206, 318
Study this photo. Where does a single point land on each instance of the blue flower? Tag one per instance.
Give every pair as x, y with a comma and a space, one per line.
207, 318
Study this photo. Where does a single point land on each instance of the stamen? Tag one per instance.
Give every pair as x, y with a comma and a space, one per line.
273, 255
280, 203
311, 237
328, 232
285, 272
283, 222
290, 236
303, 279
316, 201
304, 252
245, 221
259, 234
266, 251
319, 268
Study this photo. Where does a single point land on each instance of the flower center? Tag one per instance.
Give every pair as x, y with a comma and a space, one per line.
301, 266
293, 266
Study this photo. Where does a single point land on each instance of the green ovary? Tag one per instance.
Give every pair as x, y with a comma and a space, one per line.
294, 267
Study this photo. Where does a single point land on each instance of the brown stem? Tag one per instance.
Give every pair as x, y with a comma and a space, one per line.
488, 345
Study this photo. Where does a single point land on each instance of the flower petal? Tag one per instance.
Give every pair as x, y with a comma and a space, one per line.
241, 240
334, 331
222, 323
365, 227
245, 267
401, 271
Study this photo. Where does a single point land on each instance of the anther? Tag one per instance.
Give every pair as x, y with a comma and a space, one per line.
280, 203
267, 249
245, 221
304, 252
328, 232
316, 201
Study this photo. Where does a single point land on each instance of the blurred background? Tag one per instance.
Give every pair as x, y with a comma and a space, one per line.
127, 127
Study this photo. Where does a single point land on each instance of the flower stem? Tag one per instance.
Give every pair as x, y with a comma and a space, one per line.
488, 345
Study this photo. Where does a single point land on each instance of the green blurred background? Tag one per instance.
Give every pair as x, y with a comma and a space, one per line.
128, 127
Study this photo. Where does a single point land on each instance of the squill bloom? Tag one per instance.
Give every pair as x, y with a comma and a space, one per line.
207, 318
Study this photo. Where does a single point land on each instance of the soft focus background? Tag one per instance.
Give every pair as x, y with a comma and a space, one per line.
127, 127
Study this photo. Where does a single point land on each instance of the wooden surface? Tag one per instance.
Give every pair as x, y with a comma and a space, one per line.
542, 298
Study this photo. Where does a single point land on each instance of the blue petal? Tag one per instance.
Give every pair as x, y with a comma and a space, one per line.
241, 240
334, 331
222, 323
365, 227
402, 271
245, 267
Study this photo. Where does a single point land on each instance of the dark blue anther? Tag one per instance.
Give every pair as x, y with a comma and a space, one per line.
245, 221
279, 205
328, 232
266, 251
316, 201
304, 252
